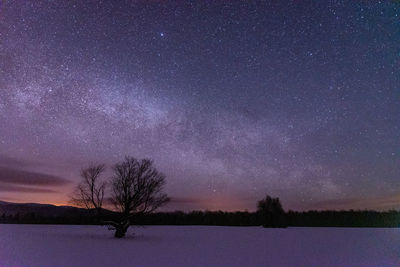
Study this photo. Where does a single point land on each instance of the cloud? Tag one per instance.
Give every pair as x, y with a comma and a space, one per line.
19, 177
15, 163
22, 189
8, 199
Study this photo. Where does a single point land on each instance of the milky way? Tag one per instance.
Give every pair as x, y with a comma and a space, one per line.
232, 100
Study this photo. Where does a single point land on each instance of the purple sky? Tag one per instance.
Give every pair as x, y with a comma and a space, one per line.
232, 99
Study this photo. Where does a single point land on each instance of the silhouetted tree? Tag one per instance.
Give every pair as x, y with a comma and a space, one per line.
270, 212
90, 192
136, 190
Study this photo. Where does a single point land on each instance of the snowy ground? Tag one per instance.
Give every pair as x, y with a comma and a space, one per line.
61, 245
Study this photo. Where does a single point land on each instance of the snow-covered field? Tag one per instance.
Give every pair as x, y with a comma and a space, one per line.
62, 245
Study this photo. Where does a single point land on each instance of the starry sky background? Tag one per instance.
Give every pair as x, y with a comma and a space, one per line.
232, 99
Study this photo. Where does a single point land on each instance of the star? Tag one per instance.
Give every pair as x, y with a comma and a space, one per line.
285, 104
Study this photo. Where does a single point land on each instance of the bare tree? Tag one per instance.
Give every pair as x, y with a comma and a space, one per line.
90, 192
136, 190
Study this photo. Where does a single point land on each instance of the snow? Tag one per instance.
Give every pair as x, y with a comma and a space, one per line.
66, 245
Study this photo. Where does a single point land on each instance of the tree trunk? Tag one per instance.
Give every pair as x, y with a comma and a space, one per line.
121, 229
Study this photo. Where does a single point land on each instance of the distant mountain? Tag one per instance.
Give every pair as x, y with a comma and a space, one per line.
46, 210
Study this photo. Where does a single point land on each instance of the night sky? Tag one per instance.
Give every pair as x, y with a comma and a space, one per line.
232, 99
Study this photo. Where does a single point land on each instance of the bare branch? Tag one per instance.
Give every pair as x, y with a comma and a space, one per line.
137, 187
90, 192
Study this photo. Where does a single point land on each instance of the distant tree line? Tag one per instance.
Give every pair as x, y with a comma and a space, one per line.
136, 191
349, 218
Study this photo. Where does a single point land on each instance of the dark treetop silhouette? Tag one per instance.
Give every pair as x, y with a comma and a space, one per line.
136, 189
90, 192
271, 213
